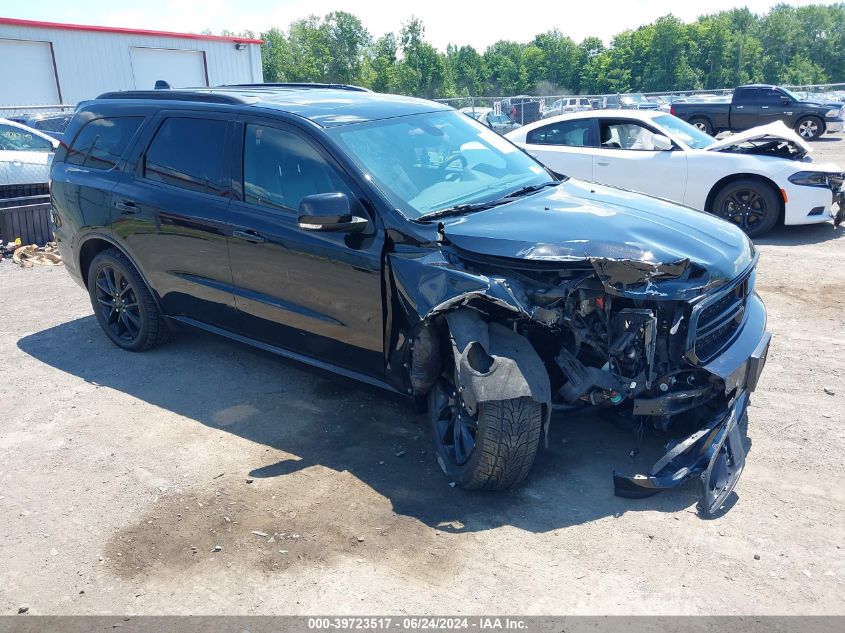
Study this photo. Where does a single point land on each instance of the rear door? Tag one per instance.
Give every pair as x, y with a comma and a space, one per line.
745, 109
313, 293
627, 159
566, 147
170, 210
86, 173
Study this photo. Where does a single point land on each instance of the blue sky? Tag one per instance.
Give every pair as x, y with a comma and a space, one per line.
476, 22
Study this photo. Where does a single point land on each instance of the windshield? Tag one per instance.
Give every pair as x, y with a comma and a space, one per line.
435, 161
499, 118
685, 132
791, 94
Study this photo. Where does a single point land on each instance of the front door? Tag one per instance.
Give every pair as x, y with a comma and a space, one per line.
627, 158
170, 210
316, 294
775, 106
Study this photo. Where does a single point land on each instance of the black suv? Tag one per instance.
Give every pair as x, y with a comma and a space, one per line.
396, 241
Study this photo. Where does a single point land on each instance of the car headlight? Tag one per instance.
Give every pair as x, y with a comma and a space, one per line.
832, 114
809, 178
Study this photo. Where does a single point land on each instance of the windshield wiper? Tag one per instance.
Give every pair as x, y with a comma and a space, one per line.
459, 209
524, 191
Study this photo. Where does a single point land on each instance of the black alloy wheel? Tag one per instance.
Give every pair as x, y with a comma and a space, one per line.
118, 304
749, 204
123, 304
455, 428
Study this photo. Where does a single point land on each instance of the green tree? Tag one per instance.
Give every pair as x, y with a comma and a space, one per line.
275, 54
309, 51
467, 70
347, 42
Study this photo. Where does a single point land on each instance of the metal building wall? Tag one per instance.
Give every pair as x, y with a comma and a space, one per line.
89, 63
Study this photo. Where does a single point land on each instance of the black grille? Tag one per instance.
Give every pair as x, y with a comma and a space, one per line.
717, 320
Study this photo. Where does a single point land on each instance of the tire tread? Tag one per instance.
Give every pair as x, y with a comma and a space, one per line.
511, 436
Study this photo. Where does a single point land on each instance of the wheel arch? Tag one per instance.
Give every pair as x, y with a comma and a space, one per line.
96, 244
720, 184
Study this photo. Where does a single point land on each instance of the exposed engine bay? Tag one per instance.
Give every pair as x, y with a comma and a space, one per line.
777, 147
625, 335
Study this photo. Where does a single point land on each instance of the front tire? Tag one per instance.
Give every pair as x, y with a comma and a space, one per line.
491, 450
809, 128
122, 303
751, 205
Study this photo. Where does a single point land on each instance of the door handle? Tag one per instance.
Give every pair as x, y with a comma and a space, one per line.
602, 163
249, 236
739, 107
126, 206
764, 107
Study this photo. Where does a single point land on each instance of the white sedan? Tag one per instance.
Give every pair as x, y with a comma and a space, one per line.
25, 154
753, 178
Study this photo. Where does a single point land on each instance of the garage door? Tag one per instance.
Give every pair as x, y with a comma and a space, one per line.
27, 73
181, 69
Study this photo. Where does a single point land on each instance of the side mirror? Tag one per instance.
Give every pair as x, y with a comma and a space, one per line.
661, 143
786, 101
329, 212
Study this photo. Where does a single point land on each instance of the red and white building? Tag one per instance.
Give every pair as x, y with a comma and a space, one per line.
47, 63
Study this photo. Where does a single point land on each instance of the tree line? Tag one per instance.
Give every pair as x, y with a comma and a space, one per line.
786, 45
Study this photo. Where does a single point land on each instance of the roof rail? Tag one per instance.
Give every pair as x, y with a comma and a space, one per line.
180, 95
300, 85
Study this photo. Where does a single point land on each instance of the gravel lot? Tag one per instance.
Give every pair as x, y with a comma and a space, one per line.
121, 473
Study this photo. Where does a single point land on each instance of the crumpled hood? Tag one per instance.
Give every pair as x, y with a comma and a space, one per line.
630, 239
772, 131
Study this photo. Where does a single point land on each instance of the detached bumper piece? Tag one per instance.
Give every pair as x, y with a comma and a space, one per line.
714, 453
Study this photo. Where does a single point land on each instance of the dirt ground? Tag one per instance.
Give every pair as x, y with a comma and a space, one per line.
121, 474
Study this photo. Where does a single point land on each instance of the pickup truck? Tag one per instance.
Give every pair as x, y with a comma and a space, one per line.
760, 104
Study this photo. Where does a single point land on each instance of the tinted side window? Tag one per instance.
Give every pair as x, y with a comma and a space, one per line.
578, 133
188, 153
281, 168
17, 139
746, 96
101, 142
768, 96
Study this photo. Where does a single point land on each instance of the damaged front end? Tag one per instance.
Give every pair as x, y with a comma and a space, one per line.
668, 346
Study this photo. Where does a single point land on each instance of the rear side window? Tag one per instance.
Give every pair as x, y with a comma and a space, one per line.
101, 143
188, 153
577, 133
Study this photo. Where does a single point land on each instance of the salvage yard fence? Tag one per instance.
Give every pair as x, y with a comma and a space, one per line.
806, 91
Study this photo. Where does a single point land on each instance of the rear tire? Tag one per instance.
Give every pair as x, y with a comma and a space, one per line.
123, 304
749, 204
702, 124
809, 128
492, 450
